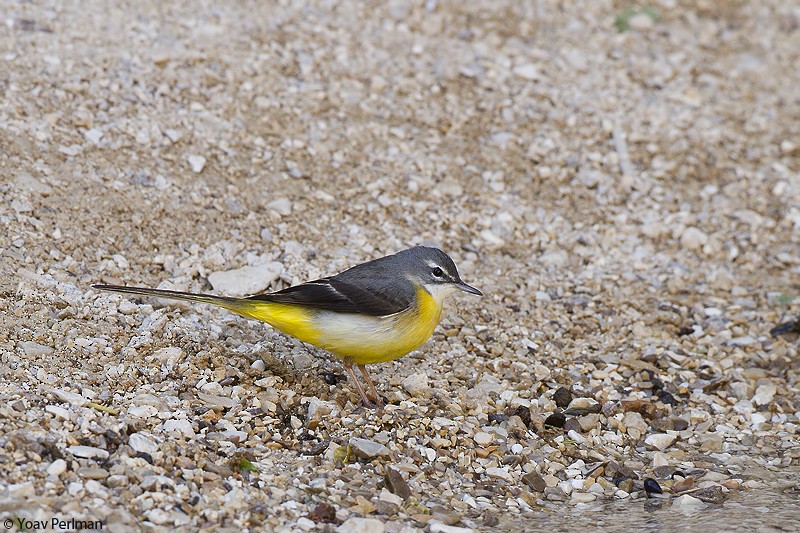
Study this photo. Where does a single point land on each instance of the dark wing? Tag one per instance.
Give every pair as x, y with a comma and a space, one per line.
374, 296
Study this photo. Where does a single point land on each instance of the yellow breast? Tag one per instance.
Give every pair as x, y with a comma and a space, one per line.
364, 339
369, 340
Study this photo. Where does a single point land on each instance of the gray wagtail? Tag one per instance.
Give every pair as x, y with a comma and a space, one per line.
374, 312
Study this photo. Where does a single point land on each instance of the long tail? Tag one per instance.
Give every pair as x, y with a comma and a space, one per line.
232, 304
291, 319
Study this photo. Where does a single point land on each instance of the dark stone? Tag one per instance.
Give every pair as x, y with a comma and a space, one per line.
625, 484
792, 326
323, 512
666, 398
672, 423
651, 486
680, 424
580, 411
534, 481
643, 407
146, 456
523, 413
396, 484
572, 424
331, 378
615, 470
319, 447
496, 418
490, 519
555, 420
562, 397
664, 472
386, 508
710, 495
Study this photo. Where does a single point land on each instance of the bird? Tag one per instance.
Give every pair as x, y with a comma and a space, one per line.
374, 312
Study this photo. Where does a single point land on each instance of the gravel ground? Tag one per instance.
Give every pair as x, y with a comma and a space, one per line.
622, 184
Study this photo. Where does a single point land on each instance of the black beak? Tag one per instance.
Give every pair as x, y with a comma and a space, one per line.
468, 288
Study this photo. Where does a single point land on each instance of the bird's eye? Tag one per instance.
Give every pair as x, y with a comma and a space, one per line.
437, 272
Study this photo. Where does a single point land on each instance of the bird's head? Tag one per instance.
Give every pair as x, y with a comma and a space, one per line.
435, 271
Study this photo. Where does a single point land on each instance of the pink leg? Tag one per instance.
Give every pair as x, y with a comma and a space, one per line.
348, 366
371, 387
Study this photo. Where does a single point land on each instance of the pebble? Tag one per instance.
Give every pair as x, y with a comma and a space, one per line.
711, 442
318, 410
499, 473
597, 488
93, 135
142, 411
247, 280
158, 516
582, 406
21, 491
660, 460
88, 452
396, 483
361, 525
687, 502
127, 307
641, 22
59, 412
576, 437
305, 524
528, 71
417, 385
555, 494
24, 181
181, 427
92, 473
556, 420
562, 397
215, 400
693, 238
535, 481
635, 426
34, 349
757, 420
765, 393
117, 480
368, 449
651, 486
71, 398
583, 497
671, 423
589, 422
57, 467
142, 443
682, 485
156, 483
483, 439
282, 206
659, 441
197, 163
388, 496
170, 355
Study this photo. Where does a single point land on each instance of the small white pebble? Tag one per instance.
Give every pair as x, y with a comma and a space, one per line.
197, 163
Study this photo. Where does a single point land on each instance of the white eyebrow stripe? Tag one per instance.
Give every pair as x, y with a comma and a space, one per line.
433, 264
